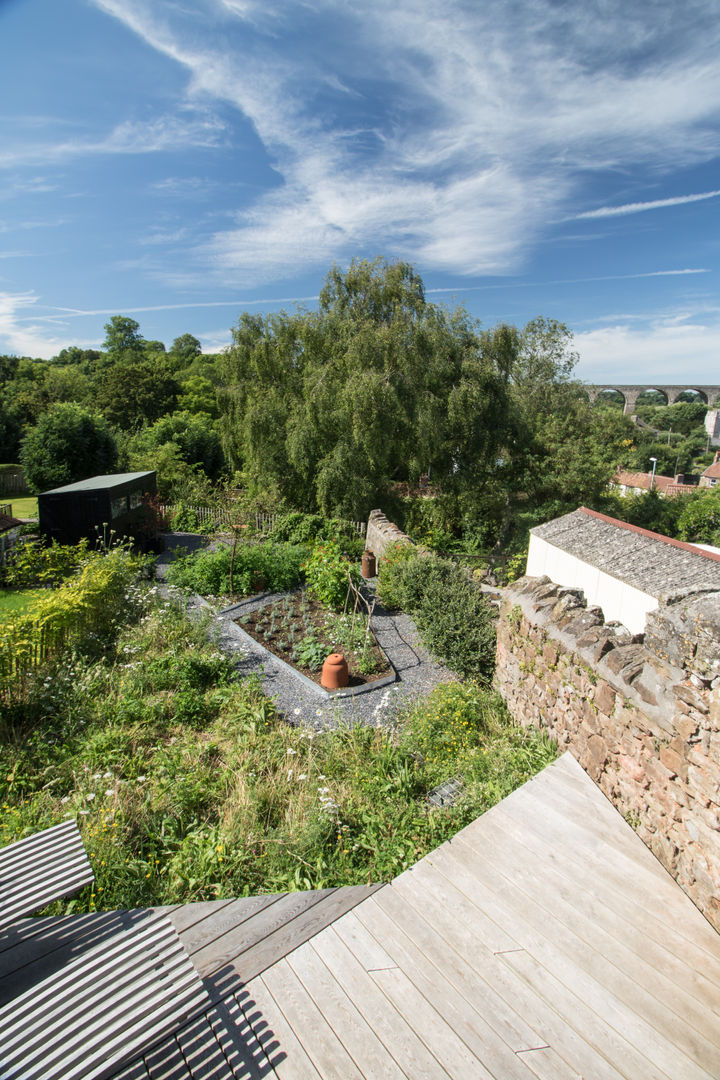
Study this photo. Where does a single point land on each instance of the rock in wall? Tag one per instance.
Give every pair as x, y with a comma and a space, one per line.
645, 727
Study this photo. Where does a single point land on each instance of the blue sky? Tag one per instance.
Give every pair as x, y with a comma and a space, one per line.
182, 161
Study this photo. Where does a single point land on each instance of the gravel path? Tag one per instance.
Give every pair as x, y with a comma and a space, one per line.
302, 701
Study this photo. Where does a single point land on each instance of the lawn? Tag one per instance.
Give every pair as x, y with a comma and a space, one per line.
26, 507
17, 602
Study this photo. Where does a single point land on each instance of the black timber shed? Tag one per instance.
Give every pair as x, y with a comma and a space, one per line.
91, 507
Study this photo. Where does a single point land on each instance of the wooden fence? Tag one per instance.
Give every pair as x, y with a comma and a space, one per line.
264, 523
12, 480
22, 650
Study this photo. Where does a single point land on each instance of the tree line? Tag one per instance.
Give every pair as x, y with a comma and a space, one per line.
338, 410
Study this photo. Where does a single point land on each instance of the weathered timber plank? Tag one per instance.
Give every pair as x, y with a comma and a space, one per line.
546, 1064
289, 1060
615, 925
670, 906
204, 932
636, 1013
245, 1054
360, 1041
184, 916
594, 1028
283, 941
460, 933
473, 1016
166, 1062
203, 1055
318, 1039
231, 946
394, 1032
421, 951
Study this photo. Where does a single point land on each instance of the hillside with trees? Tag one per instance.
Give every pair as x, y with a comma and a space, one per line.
345, 408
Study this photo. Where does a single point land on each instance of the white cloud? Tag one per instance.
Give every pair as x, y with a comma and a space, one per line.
452, 134
24, 335
127, 137
671, 347
641, 207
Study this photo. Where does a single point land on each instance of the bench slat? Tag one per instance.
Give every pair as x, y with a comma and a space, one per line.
42, 868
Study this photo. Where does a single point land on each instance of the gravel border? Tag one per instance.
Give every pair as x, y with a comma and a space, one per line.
416, 671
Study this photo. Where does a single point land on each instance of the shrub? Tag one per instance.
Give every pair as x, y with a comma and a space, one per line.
299, 528
328, 573
273, 566
454, 619
34, 564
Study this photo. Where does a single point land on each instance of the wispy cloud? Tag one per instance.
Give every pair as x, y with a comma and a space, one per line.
453, 135
129, 137
22, 333
641, 207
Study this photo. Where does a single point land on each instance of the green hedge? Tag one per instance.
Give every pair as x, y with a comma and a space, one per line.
270, 566
455, 621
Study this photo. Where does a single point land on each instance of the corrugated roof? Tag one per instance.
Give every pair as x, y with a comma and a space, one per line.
100, 483
648, 561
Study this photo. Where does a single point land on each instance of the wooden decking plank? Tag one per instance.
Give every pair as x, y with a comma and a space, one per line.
276, 916
360, 1041
245, 1054
166, 1062
457, 1059
511, 988
477, 1015
363, 944
203, 1055
417, 945
399, 1038
270, 1026
634, 1010
546, 1064
593, 1026
185, 916
423, 879
318, 1039
605, 913
669, 906
135, 1071
211, 927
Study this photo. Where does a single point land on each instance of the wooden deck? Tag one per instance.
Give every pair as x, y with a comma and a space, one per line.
543, 941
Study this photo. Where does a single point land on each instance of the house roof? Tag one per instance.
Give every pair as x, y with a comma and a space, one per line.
713, 471
654, 564
643, 480
100, 483
8, 522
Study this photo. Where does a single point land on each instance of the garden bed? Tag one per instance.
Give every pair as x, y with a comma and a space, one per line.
301, 632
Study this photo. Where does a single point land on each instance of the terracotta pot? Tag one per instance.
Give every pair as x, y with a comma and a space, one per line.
368, 566
334, 672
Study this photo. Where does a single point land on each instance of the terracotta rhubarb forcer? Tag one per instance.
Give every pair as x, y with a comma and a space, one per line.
368, 565
334, 672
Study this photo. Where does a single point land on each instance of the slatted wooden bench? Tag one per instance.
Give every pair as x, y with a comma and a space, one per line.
41, 868
103, 1009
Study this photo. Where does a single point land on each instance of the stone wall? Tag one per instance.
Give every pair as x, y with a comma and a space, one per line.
381, 533
645, 726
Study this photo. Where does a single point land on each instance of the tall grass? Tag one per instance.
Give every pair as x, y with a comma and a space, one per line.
188, 785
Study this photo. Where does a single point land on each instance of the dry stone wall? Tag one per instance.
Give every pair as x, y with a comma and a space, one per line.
381, 533
641, 717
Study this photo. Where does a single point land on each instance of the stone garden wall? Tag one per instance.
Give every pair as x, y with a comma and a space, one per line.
643, 719
381, 533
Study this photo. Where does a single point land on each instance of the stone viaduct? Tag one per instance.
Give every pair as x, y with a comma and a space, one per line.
631, 392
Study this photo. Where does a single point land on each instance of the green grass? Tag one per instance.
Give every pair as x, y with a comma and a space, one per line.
187, 784
26, 507
17, 601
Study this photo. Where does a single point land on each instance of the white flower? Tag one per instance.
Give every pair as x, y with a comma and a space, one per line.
318, 712
296, 712
97, 776
322, 776
110, 792
65, 798
90, 796
141, 779
107, 776
323, 790
83, 811
291, 751
290, 772
302, 776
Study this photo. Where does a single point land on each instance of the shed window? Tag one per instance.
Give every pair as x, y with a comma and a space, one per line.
118, 506
135, 499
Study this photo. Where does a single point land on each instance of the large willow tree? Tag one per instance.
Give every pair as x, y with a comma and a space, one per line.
377, 385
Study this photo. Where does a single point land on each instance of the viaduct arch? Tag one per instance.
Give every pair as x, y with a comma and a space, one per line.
632, 391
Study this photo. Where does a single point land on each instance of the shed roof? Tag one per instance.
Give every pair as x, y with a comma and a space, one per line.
648, 561
100, 483
7, 522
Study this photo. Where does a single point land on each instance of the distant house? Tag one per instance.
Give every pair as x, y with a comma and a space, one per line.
621, 568
711, 476
89, 507
635, 483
